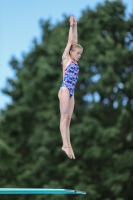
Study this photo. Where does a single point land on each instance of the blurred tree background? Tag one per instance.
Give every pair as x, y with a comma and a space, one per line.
102, 124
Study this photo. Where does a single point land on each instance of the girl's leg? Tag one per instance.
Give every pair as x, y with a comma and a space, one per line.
71, 108
64, 119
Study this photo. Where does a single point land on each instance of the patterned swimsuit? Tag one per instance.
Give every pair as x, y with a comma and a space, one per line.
70, 77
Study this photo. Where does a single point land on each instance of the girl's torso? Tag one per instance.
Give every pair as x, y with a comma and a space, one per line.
70, 73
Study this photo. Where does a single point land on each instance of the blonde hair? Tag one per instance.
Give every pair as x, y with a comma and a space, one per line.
75, 46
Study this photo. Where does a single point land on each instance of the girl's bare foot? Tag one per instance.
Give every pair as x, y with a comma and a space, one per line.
73, 156
68, 151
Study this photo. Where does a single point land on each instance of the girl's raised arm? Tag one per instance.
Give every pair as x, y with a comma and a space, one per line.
75, 33
70, 40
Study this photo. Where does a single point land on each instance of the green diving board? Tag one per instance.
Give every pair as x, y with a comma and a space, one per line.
38, 191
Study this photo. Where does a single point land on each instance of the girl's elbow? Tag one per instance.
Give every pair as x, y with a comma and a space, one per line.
70, 40
75, 41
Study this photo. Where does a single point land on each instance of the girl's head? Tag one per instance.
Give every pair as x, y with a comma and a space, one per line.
76, 51
75, 46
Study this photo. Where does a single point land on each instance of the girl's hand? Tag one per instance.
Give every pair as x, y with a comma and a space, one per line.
71, 20
74, 21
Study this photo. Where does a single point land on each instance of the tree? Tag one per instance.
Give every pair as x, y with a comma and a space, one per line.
101, 130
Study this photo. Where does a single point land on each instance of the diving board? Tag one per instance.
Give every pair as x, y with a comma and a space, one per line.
38, 191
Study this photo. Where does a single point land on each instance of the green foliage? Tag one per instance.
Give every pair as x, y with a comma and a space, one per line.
102, 125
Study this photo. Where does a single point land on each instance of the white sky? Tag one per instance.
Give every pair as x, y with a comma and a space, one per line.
19, 25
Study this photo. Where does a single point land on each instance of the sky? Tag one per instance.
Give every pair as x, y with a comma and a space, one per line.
19, 26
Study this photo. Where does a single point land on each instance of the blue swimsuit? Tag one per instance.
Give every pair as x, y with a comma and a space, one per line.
70, 77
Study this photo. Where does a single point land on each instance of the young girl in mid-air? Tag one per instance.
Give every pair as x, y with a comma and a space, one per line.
70, 58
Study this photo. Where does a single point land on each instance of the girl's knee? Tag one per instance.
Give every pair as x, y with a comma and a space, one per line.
65, 118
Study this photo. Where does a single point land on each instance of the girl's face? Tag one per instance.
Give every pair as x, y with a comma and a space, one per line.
76, 54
